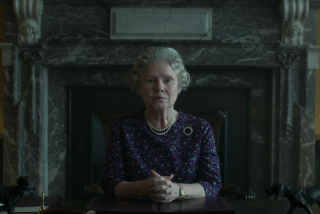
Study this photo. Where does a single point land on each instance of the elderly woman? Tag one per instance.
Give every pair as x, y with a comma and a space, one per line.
159, 152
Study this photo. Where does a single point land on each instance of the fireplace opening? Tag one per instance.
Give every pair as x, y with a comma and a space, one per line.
87, 144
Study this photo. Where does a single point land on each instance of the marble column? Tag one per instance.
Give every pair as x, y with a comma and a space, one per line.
33, 133
26, 127
10, 143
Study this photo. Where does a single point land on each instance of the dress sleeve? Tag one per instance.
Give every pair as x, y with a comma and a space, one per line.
208, 173
113, 171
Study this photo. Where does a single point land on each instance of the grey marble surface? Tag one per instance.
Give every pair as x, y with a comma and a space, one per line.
79, 52
314, 4
242, 25
10, 148
193, 54
310, 29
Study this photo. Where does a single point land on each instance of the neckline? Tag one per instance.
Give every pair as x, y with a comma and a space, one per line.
173, 125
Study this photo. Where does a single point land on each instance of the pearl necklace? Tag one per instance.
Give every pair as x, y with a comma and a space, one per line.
155, 130
160, 130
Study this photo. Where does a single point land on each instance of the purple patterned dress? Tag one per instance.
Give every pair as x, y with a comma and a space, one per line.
134, 149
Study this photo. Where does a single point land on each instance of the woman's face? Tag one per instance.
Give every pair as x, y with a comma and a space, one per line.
159, 86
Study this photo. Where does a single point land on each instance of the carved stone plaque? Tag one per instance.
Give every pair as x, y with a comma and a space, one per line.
161, 23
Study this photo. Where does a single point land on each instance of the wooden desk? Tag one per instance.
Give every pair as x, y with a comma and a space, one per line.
240, 206
106, 205
267, 207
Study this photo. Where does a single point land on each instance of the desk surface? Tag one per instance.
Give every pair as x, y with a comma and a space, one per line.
240, 206
267, 207
129, 205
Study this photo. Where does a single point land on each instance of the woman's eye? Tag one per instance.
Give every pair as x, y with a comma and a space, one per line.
150, 80
168, 80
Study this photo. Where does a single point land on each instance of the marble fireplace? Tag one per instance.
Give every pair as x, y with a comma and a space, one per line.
76, 47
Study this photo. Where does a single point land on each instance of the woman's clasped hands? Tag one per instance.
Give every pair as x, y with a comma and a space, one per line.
160, 188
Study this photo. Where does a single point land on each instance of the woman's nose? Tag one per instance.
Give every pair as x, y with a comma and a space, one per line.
159, 86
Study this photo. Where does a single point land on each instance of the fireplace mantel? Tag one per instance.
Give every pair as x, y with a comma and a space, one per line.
56, 56
79, 52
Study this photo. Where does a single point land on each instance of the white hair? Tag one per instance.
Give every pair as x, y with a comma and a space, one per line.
158, 55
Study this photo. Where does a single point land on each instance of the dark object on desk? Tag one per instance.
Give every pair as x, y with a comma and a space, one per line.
235, 193
298, 196
70, 210
42, 209
128, 205
11, 195
90, 194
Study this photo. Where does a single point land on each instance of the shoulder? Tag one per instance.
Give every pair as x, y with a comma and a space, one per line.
192, 119
195, 122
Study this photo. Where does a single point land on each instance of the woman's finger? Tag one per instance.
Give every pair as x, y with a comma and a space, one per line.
162, 198
153, 173
149, 184
160, 188
168, 177
159, 181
